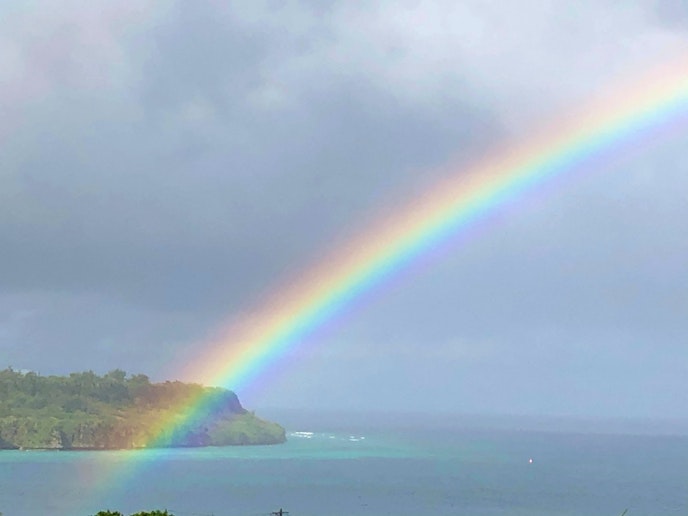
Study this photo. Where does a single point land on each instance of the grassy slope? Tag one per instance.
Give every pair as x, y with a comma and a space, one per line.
85, 410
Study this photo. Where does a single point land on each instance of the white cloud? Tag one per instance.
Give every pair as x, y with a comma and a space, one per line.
519, 59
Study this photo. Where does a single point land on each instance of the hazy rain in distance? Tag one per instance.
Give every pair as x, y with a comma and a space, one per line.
166, 166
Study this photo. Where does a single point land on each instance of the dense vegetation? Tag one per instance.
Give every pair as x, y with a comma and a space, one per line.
87, 411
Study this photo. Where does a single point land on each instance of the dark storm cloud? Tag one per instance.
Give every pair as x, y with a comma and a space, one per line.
169, 190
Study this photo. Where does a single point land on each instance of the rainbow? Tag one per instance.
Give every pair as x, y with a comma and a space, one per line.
626, 120
617, 123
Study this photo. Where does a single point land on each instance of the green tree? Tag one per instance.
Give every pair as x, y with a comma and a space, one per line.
85, 410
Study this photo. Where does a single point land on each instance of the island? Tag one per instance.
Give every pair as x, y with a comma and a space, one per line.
85, 411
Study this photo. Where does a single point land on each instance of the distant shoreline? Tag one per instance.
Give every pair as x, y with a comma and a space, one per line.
140, 448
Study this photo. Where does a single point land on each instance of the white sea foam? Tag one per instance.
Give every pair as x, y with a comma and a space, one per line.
303, 435
310, 435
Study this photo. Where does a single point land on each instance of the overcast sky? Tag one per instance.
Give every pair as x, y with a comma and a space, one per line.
164, 167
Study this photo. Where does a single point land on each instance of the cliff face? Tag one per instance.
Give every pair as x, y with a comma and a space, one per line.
85, 411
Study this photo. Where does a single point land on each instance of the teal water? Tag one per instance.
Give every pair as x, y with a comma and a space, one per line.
409, 471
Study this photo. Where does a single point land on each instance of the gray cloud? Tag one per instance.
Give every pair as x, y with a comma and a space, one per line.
673, 13
179, 176
163, 167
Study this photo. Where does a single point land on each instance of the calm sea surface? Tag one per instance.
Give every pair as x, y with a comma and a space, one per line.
335, 470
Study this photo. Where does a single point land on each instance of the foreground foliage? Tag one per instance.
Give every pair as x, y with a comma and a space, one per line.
114, 411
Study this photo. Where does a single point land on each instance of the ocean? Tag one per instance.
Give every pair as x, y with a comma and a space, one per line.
384, 466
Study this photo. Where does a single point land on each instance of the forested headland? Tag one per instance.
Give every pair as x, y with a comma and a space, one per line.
120, 411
